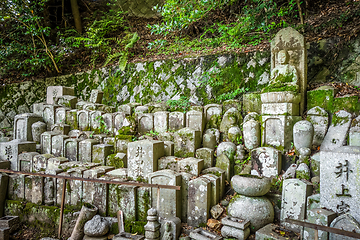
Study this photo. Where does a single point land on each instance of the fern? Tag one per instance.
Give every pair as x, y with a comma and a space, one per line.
112, 56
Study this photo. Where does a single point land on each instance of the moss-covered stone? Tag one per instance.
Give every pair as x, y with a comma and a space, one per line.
322, 97
347, 103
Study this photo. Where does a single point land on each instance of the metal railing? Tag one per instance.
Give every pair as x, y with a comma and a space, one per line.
65, 178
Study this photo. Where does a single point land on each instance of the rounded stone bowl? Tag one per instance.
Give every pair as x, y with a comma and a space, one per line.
250, 185
280, 97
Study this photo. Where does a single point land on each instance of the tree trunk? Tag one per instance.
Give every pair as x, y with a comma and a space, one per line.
76, 15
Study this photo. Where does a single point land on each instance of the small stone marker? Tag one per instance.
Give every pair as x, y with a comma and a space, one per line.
209, 141
235, 227
303, 133
293, 203
199, 195
22, 125
46, 142
96, 96
37, 129
267, 233
176, 120
101, 152
60, 128
169, 148
339, 181
94, 120
71, 119
231, 118
215, 188
225, 164
217, 172
266, 161
345, 222
26, 161
86, 150
170, 200
337, 133
354, 133
195, 120
191, 165
71, 149
277, 130
66, 101
186, 142
320, 121
53, 92
321, 217
152, 227
9, 151
145, 122
207, 154
49, 115
201, 234
143, 157
57, 145
251, 131
212, 109
161, 121
83, 120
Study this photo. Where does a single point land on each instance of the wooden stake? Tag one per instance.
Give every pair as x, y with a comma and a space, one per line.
62, 208
316, 234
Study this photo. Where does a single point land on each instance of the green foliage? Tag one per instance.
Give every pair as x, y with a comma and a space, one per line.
182, 104
24, 43
179, 14
98, 37
103, 128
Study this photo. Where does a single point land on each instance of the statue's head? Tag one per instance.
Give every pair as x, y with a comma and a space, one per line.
283, 57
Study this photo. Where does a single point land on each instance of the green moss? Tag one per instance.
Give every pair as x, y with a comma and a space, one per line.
348, 103
278, 87
323, 98
339, 120
114, 161
135, 227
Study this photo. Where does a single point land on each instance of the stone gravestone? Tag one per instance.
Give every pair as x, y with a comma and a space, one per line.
46, 141
83, 120
354, 133
143, 157
320, 120
94, 120
161, 121
195, 120
71, 149
119, 118
266, 161
49, 115
293, 202
321, 217
53, 92
199, 200
37, 129
251, 132
176, 120
212, 109
57, 145
9, 151
22, 125
345, 222
339, 180
170, 200
186, 142
86, 150
96, 96
145, 122
293, 42
337, 133
60, 114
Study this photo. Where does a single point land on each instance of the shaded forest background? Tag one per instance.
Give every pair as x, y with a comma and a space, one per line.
45, 38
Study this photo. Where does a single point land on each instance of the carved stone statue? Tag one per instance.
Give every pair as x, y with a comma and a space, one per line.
284, 74
168, 235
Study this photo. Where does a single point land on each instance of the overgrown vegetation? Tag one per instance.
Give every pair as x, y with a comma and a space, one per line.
39, 38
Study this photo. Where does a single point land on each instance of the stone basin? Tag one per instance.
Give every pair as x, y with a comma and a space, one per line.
250, 185
280, 97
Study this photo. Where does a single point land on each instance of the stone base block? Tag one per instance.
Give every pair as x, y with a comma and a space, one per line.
267, 233
291, 109
230, 232
4, 233
277, 131
9, 222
